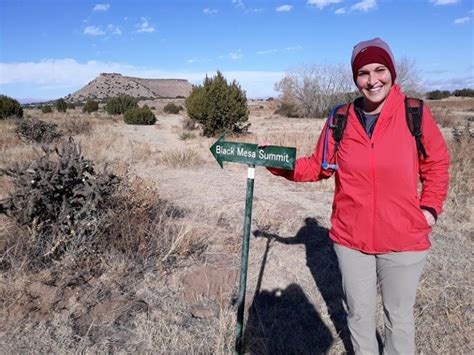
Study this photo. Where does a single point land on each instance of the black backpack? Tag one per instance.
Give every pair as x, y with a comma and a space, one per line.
413, 114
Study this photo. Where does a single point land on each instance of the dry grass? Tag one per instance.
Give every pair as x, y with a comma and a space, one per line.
181, 158
186, 135
127, 298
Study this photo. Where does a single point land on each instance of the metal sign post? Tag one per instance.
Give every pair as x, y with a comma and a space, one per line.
250, 154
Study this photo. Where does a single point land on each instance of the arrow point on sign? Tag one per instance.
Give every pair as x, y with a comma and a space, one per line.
214, 152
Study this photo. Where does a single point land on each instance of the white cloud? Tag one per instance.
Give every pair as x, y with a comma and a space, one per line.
364, 5
238, 3
294, 48
98, 31
94, 31
267, 51
144, 26
321, 4
462, 20
197, 60
208, 11
444, 2
284, 8
340, 11
450, 83
52, 77
114, 30
273, 51
101, 7
236, 55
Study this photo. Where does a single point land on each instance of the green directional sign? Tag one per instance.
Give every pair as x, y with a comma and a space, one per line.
271, 156
250, 154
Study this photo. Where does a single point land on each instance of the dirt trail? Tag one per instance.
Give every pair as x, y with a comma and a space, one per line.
296, 262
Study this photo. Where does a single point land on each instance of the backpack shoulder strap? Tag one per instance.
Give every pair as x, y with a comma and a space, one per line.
414, 115
339, 122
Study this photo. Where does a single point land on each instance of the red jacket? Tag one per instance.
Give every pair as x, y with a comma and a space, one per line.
376, 206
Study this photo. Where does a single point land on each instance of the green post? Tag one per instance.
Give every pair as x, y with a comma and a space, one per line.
245, 258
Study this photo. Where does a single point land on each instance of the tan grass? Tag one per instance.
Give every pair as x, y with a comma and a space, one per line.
181, 158
151, 244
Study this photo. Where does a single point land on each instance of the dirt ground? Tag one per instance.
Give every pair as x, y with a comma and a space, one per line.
294, 296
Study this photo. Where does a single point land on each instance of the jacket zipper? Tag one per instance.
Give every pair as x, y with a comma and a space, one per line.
373, 196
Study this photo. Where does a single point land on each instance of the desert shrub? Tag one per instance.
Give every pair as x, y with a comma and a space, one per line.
181, 159
270, 98
445, 117
287, 109
186, 135
143, 225
59, 198
34, 130
464, 93
46, 109
140, 116
438, 94
120, 104
189, 124
10, 107
219, 106
61, 105
76, 126
90, 106
172, 108
71, 105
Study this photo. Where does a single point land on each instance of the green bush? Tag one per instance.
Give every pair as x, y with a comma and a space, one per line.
139, 116
46, 109
119, 104
438, 94
172, 108
34, 130
464, 93
71, 105
91, 106
61, 105
220, 107
9, 107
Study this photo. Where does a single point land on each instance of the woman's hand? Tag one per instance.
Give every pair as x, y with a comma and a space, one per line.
429, 218
262, 143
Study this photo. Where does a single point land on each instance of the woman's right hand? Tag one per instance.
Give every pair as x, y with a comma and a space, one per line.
262, 143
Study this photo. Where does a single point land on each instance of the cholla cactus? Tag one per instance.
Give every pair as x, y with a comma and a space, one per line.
60, 198
34, 130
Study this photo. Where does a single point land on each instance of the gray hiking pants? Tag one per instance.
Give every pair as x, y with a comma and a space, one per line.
398, 274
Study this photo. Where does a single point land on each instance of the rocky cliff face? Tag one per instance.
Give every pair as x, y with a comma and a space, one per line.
114, 84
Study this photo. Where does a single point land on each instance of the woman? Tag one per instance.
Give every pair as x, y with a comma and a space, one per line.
380, 224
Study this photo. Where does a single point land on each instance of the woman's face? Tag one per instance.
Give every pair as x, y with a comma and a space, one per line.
374, 81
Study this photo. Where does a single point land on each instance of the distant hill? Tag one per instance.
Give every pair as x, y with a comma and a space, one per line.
114, 84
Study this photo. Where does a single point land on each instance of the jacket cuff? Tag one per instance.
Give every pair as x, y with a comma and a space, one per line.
430, 210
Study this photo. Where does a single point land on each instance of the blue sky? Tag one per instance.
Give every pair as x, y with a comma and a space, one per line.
50, 48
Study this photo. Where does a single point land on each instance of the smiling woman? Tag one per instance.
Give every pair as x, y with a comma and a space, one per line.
380, 225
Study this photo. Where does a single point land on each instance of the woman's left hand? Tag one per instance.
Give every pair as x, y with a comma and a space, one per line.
429, 218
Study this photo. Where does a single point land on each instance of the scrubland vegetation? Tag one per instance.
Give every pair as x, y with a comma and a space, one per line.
114, 238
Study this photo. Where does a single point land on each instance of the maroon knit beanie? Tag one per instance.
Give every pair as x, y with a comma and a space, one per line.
372, 51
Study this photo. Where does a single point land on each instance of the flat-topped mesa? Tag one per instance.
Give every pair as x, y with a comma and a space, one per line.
114, 84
